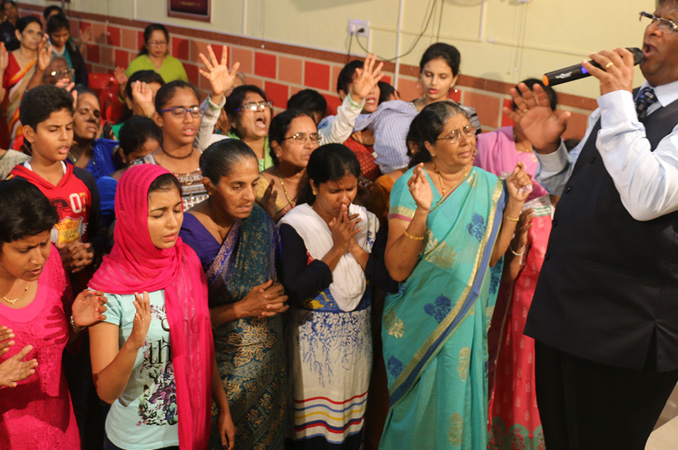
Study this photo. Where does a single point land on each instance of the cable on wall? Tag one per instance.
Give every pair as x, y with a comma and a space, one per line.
432, 5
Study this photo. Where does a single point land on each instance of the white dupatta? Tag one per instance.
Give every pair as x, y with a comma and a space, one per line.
348, 278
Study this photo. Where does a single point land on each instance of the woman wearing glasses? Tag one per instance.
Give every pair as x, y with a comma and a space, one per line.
449, 225
58, 73
154, 55
293, 137
178, 114
249, 113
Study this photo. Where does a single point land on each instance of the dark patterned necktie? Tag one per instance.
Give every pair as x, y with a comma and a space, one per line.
645, 99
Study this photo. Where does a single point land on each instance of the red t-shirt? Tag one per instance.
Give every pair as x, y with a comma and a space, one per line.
71, 198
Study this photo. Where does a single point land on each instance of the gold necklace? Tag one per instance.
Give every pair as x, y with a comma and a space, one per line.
282, 183
14, 300
440, 178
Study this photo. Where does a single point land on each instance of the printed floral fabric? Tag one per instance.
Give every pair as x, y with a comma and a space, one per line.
249, 352
435, 327
514, 417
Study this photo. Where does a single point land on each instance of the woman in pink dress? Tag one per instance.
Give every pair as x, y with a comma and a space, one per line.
514, 419
35, 306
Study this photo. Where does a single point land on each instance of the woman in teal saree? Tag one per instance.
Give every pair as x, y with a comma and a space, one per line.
236, 241
449, 225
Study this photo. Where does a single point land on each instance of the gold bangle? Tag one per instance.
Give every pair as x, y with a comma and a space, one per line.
413, 237
511, 218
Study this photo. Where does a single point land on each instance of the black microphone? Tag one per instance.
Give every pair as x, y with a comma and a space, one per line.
578, 71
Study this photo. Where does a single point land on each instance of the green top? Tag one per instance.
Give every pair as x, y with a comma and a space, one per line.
263, 163
171, 68
116, 130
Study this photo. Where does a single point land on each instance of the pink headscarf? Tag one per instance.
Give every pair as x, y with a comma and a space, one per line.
136, 265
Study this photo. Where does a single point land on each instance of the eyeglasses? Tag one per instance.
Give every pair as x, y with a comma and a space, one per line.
157, 43
64, 73
301, 138
254, 107
662, 23
181, 111
455, 135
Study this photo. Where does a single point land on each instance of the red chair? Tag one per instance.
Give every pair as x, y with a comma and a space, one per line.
102, 82
112, 109
106, 87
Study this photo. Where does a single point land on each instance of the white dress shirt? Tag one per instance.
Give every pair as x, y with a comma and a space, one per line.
646, 181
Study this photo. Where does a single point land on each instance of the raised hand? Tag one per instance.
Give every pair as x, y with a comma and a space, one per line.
142, 321
15, 369
366, 78
88, 308
6, 336
86, 35
519, 184
268, 200
4, 57
343, 229
44, 53
540, 125
142, 99
217, 73
420, 188
74, 93
264, 300
141, 92
120, 76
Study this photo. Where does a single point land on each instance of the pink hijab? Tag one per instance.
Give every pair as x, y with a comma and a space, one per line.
136, 265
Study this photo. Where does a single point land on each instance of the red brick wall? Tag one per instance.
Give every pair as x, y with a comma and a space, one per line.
282, 70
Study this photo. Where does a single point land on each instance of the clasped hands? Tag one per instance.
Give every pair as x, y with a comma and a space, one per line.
344, 229
76, 255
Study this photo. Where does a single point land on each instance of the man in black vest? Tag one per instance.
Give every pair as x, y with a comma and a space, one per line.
605, 309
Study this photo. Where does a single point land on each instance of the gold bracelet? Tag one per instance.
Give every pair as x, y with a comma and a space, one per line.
413, 237
511, 218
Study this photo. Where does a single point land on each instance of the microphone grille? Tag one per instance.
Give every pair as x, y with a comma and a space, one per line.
638, 56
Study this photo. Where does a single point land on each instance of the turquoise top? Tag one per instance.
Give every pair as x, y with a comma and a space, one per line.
171, 68
145, 414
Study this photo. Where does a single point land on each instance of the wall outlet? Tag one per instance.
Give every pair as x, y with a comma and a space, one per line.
359, 28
